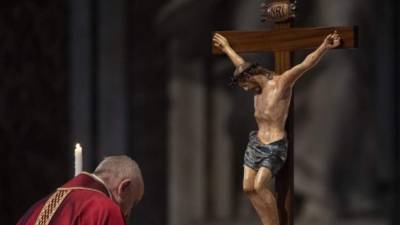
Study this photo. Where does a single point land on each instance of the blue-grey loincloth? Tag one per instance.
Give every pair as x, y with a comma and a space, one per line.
271, 156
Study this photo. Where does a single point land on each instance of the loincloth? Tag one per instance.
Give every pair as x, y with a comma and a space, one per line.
271, 156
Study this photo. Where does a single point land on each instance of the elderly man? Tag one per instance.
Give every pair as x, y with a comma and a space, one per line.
106, 196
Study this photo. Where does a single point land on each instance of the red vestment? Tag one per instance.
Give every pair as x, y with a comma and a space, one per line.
83, 200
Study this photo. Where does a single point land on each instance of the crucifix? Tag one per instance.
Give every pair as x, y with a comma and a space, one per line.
281, 40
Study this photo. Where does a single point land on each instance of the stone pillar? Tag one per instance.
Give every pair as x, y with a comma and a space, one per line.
97, 84
187, 139
112, 116
222, 155
81, 78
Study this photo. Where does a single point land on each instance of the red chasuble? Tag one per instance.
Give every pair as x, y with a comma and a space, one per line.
83, 200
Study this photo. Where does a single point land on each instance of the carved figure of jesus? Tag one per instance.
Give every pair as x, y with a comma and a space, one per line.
266, 151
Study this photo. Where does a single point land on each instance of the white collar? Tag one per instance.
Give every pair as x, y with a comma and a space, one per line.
101, 181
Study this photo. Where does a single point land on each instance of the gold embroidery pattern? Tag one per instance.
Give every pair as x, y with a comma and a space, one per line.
51, 206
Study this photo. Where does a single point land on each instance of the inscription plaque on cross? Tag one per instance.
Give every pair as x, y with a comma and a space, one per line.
282, 40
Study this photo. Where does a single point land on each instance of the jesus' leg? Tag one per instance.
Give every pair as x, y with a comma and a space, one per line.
269, 210
249, 178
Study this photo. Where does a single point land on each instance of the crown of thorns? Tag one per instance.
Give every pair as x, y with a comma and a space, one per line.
245, 70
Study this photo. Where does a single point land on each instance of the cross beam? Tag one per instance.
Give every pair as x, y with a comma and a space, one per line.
288, 39
282, 40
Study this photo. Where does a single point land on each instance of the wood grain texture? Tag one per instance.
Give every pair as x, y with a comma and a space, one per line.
285, 178
287, 39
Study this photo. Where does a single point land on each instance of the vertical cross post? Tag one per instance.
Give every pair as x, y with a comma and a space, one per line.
284, 182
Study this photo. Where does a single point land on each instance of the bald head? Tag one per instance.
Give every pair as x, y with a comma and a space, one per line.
123, 178
115, 168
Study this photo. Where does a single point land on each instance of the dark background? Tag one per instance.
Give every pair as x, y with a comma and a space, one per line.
137, 77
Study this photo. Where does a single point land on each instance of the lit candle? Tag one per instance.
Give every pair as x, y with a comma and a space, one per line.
78, 159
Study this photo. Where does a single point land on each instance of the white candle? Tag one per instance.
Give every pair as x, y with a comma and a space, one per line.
78, 159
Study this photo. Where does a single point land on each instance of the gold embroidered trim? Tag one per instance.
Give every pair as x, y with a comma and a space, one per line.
51, 206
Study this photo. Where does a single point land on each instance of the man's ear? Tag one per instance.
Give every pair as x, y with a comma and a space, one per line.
123, 186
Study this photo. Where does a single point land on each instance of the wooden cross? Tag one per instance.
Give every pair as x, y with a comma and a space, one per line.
282, 40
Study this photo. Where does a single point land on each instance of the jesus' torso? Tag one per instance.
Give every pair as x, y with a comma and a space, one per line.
271, 109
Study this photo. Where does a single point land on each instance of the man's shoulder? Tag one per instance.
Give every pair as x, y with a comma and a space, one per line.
95, 203
88, 195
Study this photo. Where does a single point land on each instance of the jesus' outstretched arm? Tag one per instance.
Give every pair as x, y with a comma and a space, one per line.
331, 41
223, 44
